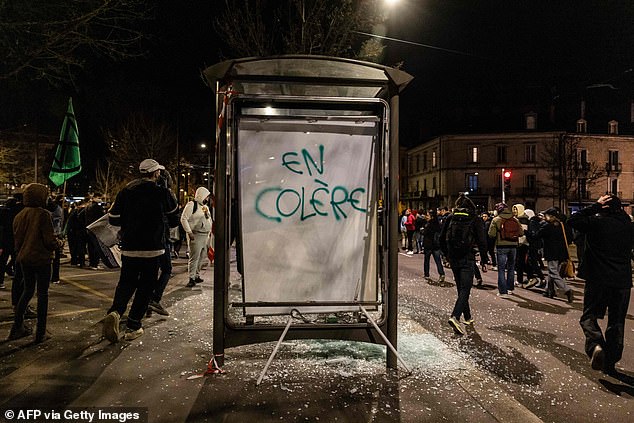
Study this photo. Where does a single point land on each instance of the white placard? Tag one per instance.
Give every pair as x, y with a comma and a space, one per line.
308, 213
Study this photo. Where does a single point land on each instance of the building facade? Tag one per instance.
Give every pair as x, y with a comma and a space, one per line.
567, 170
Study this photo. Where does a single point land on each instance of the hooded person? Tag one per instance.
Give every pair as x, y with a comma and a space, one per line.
461, 234
196, 221
533, 260
35, 242
521, 257
506, 230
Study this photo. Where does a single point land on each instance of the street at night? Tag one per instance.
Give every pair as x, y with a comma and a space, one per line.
523, 360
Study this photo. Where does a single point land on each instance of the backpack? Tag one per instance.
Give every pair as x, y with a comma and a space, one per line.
510, 230
460, 236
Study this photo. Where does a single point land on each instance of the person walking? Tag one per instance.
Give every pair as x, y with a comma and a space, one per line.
140, 209
431, 245
552, 232
462, 232
506, 230
486, 217
521, 259
196, 221
35, 242
607, 270
533, 259
410, 226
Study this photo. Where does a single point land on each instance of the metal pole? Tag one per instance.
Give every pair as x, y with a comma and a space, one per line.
502, 185
277, 347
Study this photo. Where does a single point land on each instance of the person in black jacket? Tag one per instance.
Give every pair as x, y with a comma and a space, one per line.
431, 245
139, 209
462, 260
607, 270
551, 231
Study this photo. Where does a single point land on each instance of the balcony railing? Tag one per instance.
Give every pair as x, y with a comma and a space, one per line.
613, 167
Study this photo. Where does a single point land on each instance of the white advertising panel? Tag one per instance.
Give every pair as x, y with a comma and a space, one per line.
308, 213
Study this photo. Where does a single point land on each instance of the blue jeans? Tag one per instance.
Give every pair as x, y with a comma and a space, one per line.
506, 268
436, 253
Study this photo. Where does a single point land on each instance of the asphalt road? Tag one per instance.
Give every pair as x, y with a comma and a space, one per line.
522, 361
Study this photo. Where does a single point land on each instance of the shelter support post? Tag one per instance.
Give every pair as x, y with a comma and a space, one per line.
277, 347
387, 342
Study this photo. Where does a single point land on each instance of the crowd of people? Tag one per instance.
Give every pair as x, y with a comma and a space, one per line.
531, 250
34, 227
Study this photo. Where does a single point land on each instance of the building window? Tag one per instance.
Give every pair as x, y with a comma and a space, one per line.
433, 183
613, 160
417, 185
530, 153
582, 188
410, 165
425, 184
613, 127
530, 183
425, 161
433, 158
614, 186
472, 182
473, 154
582, 159
501, 154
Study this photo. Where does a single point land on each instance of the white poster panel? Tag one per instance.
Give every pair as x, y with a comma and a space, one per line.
308, 213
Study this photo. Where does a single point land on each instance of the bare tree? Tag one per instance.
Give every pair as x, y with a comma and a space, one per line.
50, 39
324, 27
139, 137
565, 170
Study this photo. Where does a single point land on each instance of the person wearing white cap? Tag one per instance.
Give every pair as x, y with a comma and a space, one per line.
140, 209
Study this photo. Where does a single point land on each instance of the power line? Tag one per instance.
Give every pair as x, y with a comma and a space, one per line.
462, 53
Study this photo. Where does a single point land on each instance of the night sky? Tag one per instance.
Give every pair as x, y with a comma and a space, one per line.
516, 56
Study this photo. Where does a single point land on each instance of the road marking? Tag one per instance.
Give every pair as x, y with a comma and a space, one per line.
87, 289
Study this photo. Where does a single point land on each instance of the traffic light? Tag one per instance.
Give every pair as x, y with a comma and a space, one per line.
506, 176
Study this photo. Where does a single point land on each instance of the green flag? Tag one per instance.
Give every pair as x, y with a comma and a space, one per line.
66, 163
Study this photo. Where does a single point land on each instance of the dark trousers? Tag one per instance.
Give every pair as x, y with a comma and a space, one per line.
165, 266
39, 276
596, 299
4, 260
491, 251
56, 262
463, 276
533, 264
429, 252
18, 285
521, 263
93, 252
410, 240
139, 278
77, 247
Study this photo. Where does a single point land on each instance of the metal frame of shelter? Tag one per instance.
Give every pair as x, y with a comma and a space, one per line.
302, 83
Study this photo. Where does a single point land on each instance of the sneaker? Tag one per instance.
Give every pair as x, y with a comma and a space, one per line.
198, 279
42, 338
157, 307
96, 268
542, 284
517, 283
510, 292
478, 283
55, 281
502, 295
441, 278
494, 267
111, 327
148, 313
191, 283
410, 252
469, 322
17, 333
598, 358
532, 282
456, 326
131, 334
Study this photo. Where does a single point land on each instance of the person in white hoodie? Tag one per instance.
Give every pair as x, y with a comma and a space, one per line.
196, 221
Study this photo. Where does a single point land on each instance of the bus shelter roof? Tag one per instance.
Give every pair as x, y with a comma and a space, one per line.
308, 75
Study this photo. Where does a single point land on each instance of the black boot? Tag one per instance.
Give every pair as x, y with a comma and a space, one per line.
191, 284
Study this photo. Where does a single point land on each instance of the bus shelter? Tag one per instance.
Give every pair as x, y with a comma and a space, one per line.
306, 194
